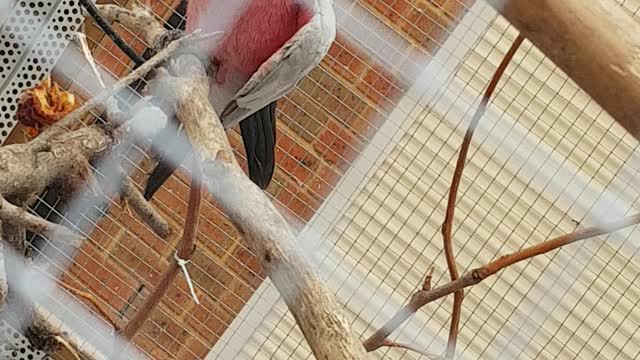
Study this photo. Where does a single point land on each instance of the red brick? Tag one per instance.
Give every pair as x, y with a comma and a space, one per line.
103, 277
294, 159
323, 181
337, 146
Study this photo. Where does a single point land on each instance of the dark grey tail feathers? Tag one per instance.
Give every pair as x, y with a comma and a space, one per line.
259, 136
171, 149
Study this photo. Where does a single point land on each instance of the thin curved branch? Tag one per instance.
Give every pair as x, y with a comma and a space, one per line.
477, 275
185, 250
447, 227
393, 344
94, 301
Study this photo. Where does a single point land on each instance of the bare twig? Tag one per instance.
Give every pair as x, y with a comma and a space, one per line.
447, 227
475, 276
67, 346
426, 285
393, 344
94, 301
144, 209
374, 343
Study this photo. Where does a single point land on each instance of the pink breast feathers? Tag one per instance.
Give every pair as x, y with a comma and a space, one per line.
261, 28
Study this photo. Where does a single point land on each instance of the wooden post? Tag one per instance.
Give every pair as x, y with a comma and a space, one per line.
594, 41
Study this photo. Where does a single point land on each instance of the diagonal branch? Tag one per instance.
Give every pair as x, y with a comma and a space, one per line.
477, 275
447, 227
93, 300
74, 118
144, 209
316, 311
14, 215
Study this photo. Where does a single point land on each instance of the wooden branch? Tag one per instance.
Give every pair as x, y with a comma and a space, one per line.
110, 31
27, 169
447, 227
144, 209
67, 346
426, 286
185, 250
74, 118
11, 214
376, 341
393, 344
44, 325
138, 20
477, 275
317, 313
595, 42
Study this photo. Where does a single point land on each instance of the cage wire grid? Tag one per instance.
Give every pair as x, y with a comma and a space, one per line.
402, 273
289, 343
86, 73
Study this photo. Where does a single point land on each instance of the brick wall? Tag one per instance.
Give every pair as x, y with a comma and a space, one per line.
323, 124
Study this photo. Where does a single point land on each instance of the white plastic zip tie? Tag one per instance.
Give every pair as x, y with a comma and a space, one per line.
183, 264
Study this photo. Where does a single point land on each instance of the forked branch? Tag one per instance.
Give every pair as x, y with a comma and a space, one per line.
477, 275
447, 227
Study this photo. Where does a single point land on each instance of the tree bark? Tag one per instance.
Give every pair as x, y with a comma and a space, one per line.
27, 170
316, 311
595, 42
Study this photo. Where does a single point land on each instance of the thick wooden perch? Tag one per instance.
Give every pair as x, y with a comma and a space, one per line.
317, 313
595, 42
27, 170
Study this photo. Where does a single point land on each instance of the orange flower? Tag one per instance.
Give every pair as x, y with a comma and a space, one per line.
44, 105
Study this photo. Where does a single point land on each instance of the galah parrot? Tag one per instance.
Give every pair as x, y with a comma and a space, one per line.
266, 47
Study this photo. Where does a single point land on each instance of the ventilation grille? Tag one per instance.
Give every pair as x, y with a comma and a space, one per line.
32, 39
15, 346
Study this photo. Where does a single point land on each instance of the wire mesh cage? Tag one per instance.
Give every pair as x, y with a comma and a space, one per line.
366, 148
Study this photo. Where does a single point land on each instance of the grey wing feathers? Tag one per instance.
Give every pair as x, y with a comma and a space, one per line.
284, 69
